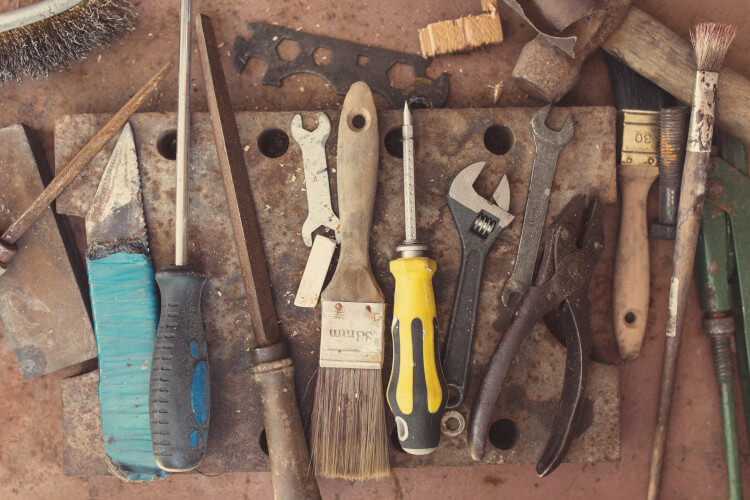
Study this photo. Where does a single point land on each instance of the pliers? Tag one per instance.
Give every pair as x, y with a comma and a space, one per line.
572, 248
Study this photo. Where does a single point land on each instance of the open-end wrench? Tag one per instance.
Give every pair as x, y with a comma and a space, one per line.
313, 146
547, 146
479, 222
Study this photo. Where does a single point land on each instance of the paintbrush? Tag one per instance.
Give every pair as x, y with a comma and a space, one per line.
710, 44
638, 103
349, 436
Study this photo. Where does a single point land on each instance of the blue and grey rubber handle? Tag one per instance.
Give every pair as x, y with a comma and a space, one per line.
180, 389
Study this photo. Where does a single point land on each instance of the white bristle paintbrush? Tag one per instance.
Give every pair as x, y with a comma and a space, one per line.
710, 44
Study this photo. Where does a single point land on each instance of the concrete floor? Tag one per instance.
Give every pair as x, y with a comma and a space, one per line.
30, 454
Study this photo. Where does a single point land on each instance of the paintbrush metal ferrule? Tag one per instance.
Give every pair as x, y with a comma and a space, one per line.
701, 129
352, 335
639, 137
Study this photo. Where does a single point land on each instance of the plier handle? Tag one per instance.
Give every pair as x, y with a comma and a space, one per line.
572, 248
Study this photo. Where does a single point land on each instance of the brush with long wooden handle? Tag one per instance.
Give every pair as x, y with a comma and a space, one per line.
638, 103
710, 43
349, 436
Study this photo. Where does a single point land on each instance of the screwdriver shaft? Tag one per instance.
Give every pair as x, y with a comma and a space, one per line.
410, 210
183, 137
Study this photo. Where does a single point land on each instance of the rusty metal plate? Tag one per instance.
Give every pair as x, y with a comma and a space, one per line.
446, 141
41, 302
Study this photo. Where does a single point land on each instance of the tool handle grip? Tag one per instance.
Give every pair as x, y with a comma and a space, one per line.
416, 390
458, 342
631, 283
291, 470
180, 390
357, 179
529, 312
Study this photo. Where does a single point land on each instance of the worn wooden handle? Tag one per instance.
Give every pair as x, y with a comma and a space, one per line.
357, 179
630, 295
662, 56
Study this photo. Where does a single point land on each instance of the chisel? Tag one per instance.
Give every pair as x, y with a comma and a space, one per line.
125, 308
417, 393
180, 391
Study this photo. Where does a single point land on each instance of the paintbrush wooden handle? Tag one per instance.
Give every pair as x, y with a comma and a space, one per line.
631, 284
357, 178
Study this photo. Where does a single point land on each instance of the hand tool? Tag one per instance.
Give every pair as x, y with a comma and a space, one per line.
125, 307
180, 384
272, 367
714, 264
416, 389
673, 125
52, 34
349, 62
638, 102
349, 436
548, 66
313, 145
479, 223
74, 167
48, 261
547, 146
640, 41
710, 43
572, 249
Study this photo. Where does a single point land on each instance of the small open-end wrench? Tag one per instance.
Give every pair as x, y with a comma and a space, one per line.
313, 146
547, 146
479, 223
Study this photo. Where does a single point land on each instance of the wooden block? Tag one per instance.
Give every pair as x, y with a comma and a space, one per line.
43, 306
465, 33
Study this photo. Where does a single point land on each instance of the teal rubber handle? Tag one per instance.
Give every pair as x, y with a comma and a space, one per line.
125, 308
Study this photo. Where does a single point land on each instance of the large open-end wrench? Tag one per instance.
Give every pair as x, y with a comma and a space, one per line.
479, 223
547, 146
313, 146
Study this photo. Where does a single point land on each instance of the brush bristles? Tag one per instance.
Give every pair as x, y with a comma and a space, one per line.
54, 43
349, 435
710, 44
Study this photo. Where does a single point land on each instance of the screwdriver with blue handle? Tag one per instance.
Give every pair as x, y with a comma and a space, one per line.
417, 392
180, 390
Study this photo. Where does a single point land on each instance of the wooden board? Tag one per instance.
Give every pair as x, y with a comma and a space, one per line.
43, 305
446, 141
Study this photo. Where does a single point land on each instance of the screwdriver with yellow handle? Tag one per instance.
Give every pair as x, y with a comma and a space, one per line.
417, 393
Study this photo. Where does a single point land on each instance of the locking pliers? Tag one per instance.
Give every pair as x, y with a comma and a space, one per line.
572, 248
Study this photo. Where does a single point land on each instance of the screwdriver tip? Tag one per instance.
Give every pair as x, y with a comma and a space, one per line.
407, 114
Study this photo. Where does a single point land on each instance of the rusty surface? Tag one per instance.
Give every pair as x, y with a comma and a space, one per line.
446, 141
77, 163
41, 304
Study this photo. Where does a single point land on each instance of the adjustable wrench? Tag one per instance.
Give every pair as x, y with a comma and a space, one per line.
547, 146
479, 223
313, 146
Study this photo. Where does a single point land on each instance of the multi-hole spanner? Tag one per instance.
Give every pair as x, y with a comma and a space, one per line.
547, 146
479, 222
313, 146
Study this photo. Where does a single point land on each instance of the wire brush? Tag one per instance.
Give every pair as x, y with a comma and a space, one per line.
53, 34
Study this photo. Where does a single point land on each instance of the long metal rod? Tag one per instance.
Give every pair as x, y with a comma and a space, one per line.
183, 137
410, 210
82, 159
247, 236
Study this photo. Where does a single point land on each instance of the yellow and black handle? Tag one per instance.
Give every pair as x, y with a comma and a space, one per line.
417, 393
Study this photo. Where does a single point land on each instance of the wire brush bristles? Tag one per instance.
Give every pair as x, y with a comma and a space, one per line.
56, 42
710, 44
349, 435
